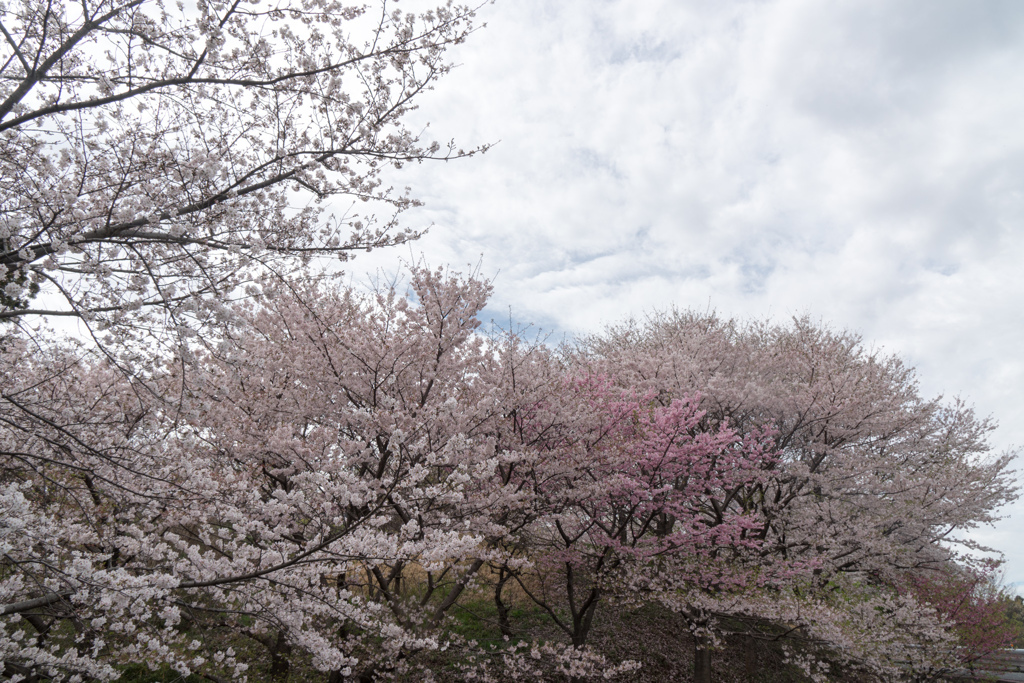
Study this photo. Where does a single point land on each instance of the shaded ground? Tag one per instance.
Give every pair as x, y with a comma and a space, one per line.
652, 635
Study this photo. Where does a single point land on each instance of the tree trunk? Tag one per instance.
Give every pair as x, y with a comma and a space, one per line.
503, 609
279, 664
701, 661
750, 659
584, 618
367, 674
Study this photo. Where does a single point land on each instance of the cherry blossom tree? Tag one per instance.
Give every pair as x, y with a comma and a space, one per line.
90, 488
969, 597
336, 472
326, 484
399, 401
628, 486
871, 479
153, 158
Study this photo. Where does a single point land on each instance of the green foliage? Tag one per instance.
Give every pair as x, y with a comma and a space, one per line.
478, 620
1015, 617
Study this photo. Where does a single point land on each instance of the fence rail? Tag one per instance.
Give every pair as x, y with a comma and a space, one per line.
1005, 666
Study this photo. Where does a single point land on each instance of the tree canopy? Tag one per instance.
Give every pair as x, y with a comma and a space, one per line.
154, 158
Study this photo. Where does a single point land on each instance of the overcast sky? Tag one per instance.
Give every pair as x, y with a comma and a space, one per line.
861, 162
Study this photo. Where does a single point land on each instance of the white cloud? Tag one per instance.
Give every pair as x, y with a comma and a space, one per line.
862, 162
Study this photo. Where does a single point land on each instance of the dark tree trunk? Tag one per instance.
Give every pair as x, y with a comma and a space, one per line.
279, 664
701, 661
366, 675
583, 622
503, 622
750, 659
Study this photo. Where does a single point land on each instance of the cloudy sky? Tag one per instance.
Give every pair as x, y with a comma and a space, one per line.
858, 161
